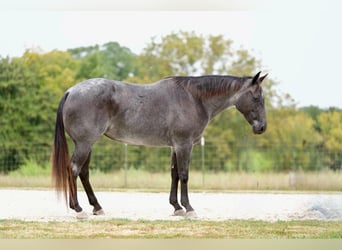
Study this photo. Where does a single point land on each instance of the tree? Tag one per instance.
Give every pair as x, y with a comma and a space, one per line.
30, 89
109, 60
183, 53
313, 112
330, 123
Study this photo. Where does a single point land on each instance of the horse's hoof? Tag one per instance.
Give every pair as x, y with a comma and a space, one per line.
179, 212
81, 215
191, 215
99, 212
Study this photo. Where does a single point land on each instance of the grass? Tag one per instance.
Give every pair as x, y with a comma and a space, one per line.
33, 176
119, 228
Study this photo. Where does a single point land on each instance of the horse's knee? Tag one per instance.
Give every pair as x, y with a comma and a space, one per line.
183, 177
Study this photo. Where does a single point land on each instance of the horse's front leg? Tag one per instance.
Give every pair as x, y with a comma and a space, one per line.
183, 153
174, 186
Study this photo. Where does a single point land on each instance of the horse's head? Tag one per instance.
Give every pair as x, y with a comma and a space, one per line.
251, 104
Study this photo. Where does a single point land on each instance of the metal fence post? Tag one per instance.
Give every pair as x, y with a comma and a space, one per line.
202, 154
125, 164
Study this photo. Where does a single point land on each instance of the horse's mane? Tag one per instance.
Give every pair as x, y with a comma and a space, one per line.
210, 85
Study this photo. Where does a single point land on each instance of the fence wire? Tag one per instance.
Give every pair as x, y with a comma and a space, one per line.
211, 156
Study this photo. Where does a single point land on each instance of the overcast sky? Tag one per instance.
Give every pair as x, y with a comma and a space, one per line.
299, 44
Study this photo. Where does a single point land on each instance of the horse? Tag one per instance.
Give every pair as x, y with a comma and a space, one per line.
172, 112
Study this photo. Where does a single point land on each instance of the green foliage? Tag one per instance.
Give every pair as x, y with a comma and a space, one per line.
107, 61
32, 168
255, 161
32, 85
331, 126
183, 53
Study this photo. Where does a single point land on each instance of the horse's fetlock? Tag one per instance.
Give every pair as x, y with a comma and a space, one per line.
173, 201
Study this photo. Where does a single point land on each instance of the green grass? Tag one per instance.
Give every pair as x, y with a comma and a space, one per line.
33, 176
119, 228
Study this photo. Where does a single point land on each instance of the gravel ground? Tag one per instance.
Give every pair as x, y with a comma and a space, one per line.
34, 205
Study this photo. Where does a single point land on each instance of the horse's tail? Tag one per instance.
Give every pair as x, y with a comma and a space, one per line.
61, 165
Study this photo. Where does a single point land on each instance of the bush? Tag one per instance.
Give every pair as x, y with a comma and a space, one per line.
32, 168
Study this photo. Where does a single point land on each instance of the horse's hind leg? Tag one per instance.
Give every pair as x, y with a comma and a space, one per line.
174, 186
78, 159
84, 176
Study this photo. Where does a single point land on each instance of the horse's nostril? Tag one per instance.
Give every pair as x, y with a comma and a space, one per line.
263, 128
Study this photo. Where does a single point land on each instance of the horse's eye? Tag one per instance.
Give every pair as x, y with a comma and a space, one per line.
256, 99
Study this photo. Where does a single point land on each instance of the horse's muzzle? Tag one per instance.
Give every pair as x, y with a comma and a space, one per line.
259, 127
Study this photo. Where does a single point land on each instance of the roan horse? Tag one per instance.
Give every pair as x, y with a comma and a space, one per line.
172, 112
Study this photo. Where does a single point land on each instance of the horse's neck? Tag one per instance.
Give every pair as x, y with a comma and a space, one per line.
216, 104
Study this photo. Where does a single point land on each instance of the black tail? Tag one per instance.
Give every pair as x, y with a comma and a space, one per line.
61, 166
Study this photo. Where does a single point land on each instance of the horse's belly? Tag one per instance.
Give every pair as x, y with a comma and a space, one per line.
141, 139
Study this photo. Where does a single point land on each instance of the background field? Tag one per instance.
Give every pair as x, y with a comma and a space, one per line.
33, 176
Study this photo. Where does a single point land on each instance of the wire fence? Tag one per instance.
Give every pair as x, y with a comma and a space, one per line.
209, 156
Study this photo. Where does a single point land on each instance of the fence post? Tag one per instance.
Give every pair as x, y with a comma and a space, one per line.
202, 154
125, 164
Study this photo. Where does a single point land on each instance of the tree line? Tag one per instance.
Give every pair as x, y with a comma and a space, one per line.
308, 138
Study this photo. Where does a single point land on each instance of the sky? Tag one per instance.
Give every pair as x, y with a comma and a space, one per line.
298, 42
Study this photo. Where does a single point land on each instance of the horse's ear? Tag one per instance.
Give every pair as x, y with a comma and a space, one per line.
255, 78
262, 78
